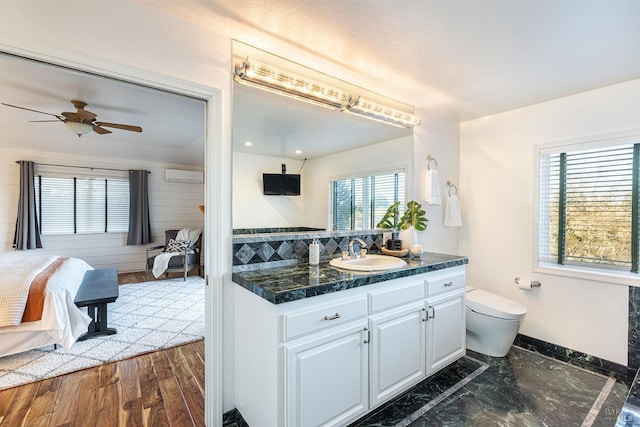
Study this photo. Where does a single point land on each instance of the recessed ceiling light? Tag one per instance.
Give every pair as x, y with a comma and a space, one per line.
248, 143
298, 151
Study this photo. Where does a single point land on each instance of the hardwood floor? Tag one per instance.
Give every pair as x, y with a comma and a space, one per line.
164, 388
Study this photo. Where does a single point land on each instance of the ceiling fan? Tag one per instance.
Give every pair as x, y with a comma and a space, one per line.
81, 121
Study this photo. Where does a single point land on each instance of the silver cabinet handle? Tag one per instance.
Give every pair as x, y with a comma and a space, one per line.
333, 317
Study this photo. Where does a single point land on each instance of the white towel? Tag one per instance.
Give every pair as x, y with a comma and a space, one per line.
452, 217
432, 188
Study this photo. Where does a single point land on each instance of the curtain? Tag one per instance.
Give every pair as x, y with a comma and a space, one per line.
139, 224
27, 235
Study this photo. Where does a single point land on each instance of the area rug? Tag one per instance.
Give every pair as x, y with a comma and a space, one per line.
148, 316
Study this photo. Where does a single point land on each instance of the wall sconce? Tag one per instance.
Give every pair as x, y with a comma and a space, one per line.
272, 79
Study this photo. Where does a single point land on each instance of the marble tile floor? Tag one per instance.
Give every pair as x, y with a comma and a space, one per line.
523, 389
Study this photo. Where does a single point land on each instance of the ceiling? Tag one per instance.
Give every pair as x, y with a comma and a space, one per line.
172, 125
460, 58
471, 58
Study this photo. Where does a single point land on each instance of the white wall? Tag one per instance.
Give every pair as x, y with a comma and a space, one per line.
251, 208
392, 154
437, 135
172, 206
497, 187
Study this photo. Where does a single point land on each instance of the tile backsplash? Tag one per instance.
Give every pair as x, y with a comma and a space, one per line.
263, 250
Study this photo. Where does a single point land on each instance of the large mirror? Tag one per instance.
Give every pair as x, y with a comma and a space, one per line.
322, 145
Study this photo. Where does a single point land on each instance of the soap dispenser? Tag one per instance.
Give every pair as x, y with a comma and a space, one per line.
314, 253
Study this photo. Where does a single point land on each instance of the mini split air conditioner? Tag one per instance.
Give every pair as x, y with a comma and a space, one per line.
178, 175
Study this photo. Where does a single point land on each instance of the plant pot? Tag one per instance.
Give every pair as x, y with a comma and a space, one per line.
409, 237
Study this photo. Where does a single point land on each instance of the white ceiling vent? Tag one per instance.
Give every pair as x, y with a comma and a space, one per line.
178, 175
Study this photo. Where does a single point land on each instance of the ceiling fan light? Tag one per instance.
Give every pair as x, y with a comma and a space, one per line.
78, 128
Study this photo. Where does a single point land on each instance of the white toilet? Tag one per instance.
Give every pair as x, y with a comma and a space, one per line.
492, 322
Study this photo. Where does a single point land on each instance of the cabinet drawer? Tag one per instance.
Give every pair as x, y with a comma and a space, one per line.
386, 298
315, 319
439, 284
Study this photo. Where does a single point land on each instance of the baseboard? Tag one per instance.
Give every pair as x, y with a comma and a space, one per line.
577, 358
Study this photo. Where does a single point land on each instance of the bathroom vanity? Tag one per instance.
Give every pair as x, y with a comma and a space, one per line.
315, 345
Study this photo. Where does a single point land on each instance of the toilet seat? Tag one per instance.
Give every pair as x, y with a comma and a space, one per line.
484, 302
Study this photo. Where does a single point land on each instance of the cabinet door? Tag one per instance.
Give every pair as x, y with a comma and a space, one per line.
397, 354
446, 330
327, 382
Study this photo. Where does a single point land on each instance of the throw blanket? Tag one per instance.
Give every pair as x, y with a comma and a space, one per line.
18, 271
161, 261
189, 234
35, 300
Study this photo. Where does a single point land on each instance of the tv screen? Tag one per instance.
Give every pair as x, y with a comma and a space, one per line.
278, 184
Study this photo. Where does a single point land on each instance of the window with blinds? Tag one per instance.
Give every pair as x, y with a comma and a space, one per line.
74, 205
588, 208
360, 203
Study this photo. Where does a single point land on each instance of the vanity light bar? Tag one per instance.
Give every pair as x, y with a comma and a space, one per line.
285, 83
383, 113
271, 79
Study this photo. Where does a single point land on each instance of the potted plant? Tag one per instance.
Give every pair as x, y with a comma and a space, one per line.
413, 219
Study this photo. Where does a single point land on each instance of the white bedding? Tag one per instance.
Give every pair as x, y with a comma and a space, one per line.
62, 322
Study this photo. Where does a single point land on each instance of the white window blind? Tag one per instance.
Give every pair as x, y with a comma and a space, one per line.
90, 206
586, 210
82, 205
359, 203
117, 206
55, 205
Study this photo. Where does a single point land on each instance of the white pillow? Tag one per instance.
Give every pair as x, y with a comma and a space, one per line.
177, 245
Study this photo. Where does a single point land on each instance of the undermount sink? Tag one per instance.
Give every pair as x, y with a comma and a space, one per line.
369, 263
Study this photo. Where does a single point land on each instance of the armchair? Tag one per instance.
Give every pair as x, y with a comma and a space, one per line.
185, 261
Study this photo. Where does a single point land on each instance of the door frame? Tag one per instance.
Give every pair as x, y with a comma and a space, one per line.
217, 189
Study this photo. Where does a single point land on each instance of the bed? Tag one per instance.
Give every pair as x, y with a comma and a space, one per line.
49, 315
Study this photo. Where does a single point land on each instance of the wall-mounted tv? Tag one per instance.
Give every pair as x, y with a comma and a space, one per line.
280, 184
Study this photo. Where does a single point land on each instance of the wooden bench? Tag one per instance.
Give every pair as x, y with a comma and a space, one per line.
98, 288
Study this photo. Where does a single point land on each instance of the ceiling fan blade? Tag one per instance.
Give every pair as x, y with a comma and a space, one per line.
101, 131
119, 126
35, 111
85, 115
72, 117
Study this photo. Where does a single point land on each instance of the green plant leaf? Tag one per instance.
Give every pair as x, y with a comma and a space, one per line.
414, 216
389, 219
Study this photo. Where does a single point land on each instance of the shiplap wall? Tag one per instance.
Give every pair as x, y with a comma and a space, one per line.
172, 205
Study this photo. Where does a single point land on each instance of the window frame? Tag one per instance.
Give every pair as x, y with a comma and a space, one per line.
539, 265
62, 172
358, 175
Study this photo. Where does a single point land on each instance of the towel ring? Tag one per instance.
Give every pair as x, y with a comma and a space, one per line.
450, 184
429, 160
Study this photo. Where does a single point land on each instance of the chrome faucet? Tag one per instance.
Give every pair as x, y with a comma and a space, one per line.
363, 248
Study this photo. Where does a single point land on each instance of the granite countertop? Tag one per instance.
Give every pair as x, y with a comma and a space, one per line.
283, 284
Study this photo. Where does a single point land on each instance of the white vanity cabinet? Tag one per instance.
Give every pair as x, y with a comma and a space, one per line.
326, 362
329, 359
397, 349
446, 326
327, 377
